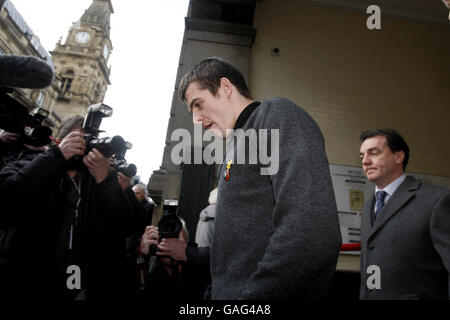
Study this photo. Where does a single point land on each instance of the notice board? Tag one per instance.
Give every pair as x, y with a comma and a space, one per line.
352, 189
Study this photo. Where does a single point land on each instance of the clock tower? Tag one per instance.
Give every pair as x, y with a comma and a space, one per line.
81, 62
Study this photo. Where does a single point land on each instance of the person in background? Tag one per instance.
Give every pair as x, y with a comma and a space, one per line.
405, 234
140, 190
205, 226
67, 240
173, 273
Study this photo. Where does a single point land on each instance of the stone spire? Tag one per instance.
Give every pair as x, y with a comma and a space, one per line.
99, 14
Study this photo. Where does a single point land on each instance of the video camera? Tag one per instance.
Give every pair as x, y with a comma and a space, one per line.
14, 118
170, 225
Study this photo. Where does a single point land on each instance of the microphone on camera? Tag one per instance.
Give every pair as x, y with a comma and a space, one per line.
24, 72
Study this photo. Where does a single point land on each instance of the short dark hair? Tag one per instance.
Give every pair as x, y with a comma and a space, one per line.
69, 124
394, 140
208, 72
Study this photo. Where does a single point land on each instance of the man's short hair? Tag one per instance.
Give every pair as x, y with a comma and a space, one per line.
207, 74
143, 188
69, 124
394, 140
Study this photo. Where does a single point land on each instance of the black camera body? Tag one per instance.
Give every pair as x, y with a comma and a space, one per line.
170, 225
36, 134
115, 146
14, 118
108, 146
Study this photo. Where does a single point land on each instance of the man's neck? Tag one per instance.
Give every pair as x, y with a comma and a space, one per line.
72, 173
392, 178
240, 104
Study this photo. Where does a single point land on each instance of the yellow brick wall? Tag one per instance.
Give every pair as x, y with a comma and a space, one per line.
351, 79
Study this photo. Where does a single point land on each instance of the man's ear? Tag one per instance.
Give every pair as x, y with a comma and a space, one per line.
226, 86
399, 157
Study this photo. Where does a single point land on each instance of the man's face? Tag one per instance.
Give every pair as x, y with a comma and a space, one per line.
380, 164
212, 112
140, 195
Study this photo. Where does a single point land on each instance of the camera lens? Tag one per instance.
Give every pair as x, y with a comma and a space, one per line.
170, 226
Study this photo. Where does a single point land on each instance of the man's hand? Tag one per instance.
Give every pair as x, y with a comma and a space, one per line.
124, 181
97, 164
150, 236
72, 144
173, 247
9, 137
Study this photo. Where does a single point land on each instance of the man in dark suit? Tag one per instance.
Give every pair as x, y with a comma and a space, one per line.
405, 234
147, 203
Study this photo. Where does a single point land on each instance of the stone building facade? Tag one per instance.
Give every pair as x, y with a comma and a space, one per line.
16, 37
80, 62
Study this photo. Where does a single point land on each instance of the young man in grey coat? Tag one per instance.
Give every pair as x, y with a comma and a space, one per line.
276, 230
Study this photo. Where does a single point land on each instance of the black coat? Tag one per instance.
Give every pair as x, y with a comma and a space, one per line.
191, 283
34, 222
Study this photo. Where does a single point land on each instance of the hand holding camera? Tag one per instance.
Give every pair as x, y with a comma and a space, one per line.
123, 180
173, 247
97, 165
149, 238
72, 144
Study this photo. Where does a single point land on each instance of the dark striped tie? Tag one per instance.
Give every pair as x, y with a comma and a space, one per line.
379, 195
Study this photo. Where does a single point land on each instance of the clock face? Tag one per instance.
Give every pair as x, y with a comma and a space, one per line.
82, 37
105, 52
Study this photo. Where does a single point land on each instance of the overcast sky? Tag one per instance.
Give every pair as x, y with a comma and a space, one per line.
146, 36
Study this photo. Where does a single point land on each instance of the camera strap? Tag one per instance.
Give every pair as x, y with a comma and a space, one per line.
78, 188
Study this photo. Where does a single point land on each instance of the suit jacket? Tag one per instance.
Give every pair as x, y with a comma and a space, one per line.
410, 243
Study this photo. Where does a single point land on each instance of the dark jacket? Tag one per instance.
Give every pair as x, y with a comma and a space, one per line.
8, 153
148, 211
36, 216
409, 243
190, 283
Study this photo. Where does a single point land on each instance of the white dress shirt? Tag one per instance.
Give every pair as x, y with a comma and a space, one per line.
390, 188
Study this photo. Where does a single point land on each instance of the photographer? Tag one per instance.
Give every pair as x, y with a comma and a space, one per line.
20, 130
72, 207
12, 146
174, 273
8, 140
135, 228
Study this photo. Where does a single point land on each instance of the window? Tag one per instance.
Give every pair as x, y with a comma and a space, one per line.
40, 99
67, 79
97, 93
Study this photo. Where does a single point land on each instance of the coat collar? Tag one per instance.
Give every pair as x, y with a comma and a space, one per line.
401, 196
245, 114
